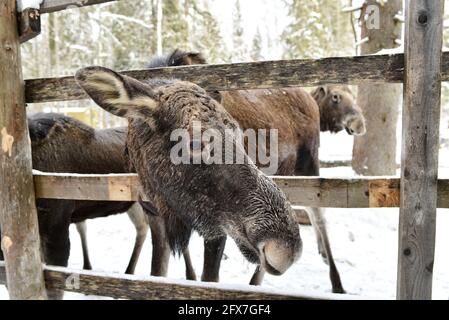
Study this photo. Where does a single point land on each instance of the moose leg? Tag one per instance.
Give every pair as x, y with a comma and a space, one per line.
213, 252
2, 258
258, 276
56, 249
190, 271
82, 230
140, 221
319, 225
161, 248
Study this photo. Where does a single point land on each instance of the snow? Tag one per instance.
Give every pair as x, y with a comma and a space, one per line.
364, 244
25, 4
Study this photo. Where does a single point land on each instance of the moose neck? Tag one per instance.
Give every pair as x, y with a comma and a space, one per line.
325, 123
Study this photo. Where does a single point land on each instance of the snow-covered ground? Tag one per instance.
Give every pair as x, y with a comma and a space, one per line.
364, 242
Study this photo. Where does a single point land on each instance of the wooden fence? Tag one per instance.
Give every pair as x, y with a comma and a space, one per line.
121, 286
418, 193
372, 192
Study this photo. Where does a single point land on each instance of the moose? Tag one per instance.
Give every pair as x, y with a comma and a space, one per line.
299, 117
215, 199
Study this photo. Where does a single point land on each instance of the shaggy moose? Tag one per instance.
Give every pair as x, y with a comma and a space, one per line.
213, 199
63, 144
299, 117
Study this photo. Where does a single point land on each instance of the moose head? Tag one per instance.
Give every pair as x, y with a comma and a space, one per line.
338, 110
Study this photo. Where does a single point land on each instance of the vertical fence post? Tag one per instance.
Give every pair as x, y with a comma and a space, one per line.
18, 218
420, 141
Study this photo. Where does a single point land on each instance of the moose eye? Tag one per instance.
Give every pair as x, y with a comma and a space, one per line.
336, 98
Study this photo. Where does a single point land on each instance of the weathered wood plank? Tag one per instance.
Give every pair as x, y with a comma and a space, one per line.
366, 192
335, 163
114, 187
121, 286
251, 75
304, 191
420, 143
340, 163
18, 218
325, 192
155, 288
49, 6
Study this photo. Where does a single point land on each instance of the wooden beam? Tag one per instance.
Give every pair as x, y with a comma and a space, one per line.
250, 75
18, 218
121, 286
113, 187
325, 192
49, 6
335, 163
29, 24
122, 187
420, 143
151, 288
302, 191
340, 163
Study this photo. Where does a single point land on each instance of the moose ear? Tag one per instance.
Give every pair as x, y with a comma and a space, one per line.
320, 93
194, 58
181, 58
120, 95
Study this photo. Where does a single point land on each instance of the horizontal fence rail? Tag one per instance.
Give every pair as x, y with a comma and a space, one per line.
248, 75
122, 286
301, 191
49, 6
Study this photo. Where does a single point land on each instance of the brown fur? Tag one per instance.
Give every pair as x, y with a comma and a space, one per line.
63, 144
338, 110
215, 199
292, 112
298, 116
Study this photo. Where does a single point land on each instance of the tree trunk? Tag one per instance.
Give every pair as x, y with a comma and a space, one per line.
159, 28
375, 152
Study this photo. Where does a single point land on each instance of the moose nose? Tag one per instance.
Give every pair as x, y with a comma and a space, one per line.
356, 127
278, 256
